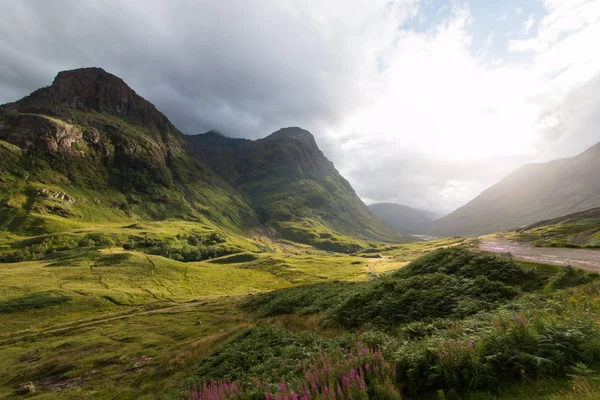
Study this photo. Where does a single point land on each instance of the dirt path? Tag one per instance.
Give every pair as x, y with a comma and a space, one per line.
371, 270
96, 322
588, 260
373, 262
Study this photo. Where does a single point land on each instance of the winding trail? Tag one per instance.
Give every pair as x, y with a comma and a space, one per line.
588, 260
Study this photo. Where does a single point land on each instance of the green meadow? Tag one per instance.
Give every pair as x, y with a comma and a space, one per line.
111, 311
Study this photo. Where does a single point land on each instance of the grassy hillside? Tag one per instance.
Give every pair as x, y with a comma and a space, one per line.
70, 157
574, 230
453, 324
534, 192
88, 149
130, 269
108, 309
94, 317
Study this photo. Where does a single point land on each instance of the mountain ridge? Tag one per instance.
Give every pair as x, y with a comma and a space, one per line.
90, 132
532, 193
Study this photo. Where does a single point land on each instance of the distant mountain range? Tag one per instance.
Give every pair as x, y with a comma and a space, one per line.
88, 149
532, 193
404, 218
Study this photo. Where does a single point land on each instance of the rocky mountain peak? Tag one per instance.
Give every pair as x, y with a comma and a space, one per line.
294, 133
95, 90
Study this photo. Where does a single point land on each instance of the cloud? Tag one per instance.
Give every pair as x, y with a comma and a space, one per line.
243, 67
527, 25
461, 120
563, 18
399, 98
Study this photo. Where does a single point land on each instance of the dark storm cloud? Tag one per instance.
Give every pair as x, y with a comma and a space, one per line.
243, 68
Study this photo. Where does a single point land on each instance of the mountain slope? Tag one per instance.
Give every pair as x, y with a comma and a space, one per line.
404, 218
89, 149
580, 229
532, 193
293, 187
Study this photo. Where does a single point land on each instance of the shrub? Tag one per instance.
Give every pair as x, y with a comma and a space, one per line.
393, 301
355, 373
508, 348
302, 300
462, 262
569, 277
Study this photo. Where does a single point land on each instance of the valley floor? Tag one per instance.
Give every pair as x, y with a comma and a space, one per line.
99, 321
104, 313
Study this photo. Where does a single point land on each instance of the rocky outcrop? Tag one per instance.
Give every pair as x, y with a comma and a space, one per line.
31, 131
91, 112
93, 89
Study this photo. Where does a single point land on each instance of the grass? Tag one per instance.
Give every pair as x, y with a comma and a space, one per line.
74, 285
504, 350
171, 315
134, 358
579, 230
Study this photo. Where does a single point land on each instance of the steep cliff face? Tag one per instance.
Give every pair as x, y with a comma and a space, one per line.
95, 90
40, 132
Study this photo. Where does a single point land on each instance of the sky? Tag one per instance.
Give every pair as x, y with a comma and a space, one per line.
420, 102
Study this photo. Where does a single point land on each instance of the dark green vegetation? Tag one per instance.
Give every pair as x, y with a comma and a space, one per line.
452, 282
453, 322
31, 301
404, 218
530, 194
579, 230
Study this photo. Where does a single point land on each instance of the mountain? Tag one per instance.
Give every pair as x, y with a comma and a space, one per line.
88, 149
580, 229
293, 187
404, 218
532, 193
